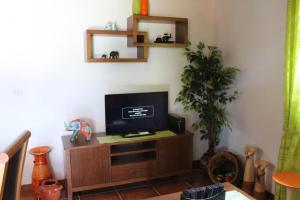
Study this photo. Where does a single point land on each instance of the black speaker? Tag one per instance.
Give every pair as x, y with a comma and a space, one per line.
176, 123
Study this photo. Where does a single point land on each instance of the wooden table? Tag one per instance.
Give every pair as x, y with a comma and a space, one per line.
176, 196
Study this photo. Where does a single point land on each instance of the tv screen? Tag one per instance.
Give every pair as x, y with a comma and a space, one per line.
126, 113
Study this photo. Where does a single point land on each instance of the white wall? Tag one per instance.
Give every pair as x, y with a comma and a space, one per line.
251, 34
44, 80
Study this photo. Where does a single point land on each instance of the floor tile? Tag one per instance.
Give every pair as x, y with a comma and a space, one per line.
137, 193
132, 185
101, 196
171, 186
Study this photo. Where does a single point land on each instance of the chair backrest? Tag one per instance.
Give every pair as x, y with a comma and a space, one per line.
11, 167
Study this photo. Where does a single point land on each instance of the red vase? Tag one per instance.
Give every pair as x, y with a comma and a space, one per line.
50, 190
144, 7
41, 170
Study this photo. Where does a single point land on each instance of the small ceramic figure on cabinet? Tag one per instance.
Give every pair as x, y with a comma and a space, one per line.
79, 126
249, 173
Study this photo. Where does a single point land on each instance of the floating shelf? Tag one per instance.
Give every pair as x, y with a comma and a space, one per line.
142, 51
181, 31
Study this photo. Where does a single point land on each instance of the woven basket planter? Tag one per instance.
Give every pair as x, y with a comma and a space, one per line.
224, 166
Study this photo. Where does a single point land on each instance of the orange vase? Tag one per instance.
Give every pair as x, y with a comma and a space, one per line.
50, 190
41, 170
144, 7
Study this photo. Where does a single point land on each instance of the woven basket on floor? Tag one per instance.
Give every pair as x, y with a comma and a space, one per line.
224, 159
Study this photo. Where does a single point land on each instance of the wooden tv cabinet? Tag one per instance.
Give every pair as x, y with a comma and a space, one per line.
91, 166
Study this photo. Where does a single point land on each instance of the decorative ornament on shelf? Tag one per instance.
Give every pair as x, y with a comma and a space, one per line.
78, 127
111, 26
114, 55
136, 7
164, 39
144, 7
108, 26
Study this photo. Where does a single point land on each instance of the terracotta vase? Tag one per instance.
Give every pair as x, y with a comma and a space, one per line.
144, 7
41, 170
50, 190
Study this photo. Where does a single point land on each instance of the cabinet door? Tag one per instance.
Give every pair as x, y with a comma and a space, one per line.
175, 154
90, 166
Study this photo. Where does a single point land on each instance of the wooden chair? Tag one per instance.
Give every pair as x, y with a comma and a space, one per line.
11, 168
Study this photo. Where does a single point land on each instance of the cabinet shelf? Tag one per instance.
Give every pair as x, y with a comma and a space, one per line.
133, 147
132, 152
142, 52
181, 30
133, 158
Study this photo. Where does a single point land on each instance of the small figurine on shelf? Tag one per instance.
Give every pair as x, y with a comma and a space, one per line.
104, 56
166, 38
114, 27
111, 26
108, 26
79, 126
114, 55
158, 40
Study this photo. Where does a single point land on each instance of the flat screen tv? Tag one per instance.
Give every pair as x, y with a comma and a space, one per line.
136, 112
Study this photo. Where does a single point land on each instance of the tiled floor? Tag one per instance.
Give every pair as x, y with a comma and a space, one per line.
139, 190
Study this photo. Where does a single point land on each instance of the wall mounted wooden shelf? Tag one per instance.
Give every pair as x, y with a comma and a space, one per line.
142, 51
181, 30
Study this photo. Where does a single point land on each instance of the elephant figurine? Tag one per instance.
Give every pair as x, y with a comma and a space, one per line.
114, 55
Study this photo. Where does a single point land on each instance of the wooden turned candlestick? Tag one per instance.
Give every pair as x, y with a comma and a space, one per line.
41, 170
249, 173
259, 187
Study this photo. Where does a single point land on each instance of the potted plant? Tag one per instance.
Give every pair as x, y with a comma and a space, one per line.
206, 91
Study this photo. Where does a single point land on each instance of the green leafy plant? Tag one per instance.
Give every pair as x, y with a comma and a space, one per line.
206, 91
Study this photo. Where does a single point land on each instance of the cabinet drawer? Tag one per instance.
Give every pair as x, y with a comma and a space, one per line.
134, 170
